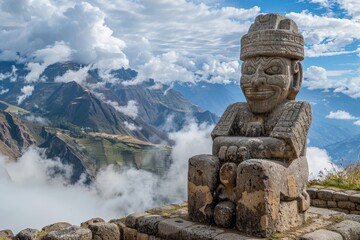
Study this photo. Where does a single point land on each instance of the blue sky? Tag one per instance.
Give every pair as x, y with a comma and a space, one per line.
177, 40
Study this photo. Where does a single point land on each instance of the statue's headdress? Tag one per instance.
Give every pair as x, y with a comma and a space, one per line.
272, 35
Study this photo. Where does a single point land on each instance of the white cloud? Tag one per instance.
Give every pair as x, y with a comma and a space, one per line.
131, 126
339, 114
113, 194
351, 7
357, 122
37, 119
318, 78
320, 163
26, 92
131, 109
9, 75
81, 26
3, 91
326, 36
78, 76
59, 52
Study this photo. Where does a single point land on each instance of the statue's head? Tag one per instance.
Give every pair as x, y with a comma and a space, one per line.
271, 72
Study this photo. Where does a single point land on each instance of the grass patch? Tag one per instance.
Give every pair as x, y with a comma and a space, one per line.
348, 178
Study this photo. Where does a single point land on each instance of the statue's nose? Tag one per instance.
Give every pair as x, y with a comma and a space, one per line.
258, 81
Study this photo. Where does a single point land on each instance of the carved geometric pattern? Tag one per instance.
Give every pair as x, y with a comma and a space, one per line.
293, 125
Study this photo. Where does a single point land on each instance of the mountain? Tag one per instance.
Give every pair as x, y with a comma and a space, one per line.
92, 124
345, 152
14, 135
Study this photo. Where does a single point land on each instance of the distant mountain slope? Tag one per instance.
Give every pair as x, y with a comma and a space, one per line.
14, 135
346, 151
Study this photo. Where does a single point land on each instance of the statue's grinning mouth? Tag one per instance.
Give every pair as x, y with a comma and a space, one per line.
259, 94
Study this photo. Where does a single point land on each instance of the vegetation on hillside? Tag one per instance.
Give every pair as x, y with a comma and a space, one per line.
348, 178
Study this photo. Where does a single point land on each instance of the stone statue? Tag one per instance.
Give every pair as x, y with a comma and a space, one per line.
256, 177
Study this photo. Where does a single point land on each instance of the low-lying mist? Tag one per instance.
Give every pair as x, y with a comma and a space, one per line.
35, 191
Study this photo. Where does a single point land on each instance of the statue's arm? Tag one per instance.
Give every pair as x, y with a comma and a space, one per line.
287, 141
234, 148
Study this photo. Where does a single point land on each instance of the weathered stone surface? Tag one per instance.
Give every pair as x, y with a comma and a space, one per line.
142, 236
104, 231
203, 178
224, 214
322, 234
170, 228
121, 225
6, 234
200, 232
325, 194
340, 210
312, 192
69, 233
355, 198
353, 217
259, 195
349, 230
289, 217
233, 236
130, 234
340, 196
55, 226
27, 234
304, 201
91, 221
332, 204
346, 205
131, 219
318, 203
149, 224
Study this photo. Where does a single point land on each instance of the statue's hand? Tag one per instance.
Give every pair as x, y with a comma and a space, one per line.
233, 154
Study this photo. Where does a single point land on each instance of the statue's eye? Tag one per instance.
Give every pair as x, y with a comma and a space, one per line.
249, 70
273, 70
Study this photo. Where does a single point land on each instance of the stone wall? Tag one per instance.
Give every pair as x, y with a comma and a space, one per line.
347, 201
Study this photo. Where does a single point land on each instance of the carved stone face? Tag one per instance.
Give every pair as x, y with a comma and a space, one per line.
265, 82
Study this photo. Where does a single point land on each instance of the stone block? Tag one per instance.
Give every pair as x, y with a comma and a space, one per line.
55, 226
332, 204
318, 203
340, 196
224, 214
91, 221
312, 192
340, 210
233, 236
156, 238
346, 205
289, 217
303, 201
104, 231
170, 228
69, 233
355, 198
203, 178
322, 234
353, 217
148, 224
325, 194
27, 234
349, 230
142, 236
130, 234
121, 225
131, 219
203, 232
6, 234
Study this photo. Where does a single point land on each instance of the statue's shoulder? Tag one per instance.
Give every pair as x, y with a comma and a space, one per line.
230, 118
294, 124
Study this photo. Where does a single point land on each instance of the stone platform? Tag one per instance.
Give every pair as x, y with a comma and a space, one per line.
172, 222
